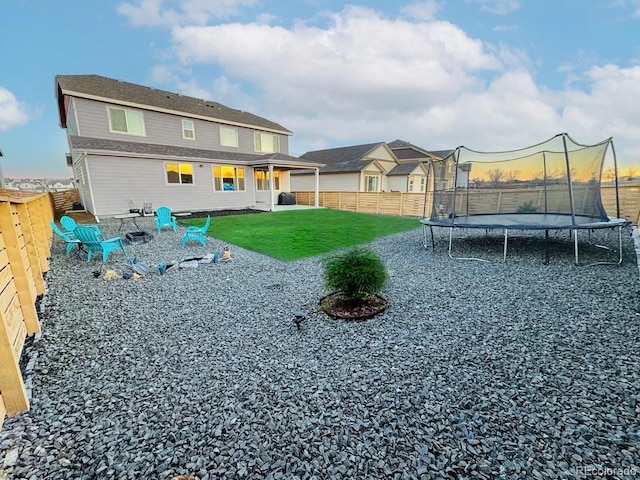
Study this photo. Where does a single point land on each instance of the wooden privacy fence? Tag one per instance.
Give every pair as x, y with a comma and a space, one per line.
64, 199
412, 204
25, 246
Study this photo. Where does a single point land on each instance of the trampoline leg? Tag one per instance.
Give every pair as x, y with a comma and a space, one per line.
450, 241
575, 242
504, 255
433, 242
546, 247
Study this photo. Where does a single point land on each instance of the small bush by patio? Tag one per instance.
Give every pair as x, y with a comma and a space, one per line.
355, 276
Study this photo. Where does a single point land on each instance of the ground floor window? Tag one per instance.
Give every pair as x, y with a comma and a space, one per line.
371, 183
262, 179
228, 179
179, 173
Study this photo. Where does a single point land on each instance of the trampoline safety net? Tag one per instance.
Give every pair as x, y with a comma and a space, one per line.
557, 178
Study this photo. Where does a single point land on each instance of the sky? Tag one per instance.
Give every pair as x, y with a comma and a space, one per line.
491, 75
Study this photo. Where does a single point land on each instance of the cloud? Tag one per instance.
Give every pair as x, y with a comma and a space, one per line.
498, 7
180, 12
12, 112
364, 76
421, 10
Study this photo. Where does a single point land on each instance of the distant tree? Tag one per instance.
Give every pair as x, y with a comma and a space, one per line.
512, 176
632, 173
477, 182
609, 174
495, 176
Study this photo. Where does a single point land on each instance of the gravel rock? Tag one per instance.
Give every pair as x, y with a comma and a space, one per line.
477, 370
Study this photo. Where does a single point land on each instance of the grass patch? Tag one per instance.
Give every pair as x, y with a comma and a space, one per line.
293, 235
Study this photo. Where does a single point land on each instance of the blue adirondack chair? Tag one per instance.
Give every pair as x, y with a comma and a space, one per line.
70, 239
70, 225
197, 234
165, 219
94, 243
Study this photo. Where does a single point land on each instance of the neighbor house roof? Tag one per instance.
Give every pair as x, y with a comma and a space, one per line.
405, 150
342, 159
404, 168
441, 153
98, 145
109, 90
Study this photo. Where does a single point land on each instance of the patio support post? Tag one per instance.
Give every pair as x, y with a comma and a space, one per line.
271, 187
317, 198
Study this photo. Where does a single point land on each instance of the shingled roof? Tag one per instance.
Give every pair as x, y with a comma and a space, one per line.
404, 168
342, 159
124, 93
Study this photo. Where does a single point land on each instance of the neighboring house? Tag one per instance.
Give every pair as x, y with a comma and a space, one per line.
131, 145
444, 175
358, 168
396, 166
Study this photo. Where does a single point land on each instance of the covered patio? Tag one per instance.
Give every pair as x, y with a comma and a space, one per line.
268, 169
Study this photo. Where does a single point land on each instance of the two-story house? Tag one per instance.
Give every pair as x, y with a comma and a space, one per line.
131, 145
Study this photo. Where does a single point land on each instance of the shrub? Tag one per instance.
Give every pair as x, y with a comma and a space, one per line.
356, 273
527, 207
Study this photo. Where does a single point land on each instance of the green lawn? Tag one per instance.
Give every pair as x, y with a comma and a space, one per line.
292, 235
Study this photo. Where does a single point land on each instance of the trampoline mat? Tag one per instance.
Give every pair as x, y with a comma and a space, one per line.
526, 221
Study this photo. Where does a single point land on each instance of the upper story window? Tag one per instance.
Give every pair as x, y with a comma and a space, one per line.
262, 179
411, 183
123, 120
179, 173
267, 142
188, 130
228, 179
423, 183
228, 137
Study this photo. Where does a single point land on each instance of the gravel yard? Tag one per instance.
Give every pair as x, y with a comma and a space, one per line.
477, 370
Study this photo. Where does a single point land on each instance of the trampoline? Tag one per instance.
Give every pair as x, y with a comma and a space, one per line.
551, 186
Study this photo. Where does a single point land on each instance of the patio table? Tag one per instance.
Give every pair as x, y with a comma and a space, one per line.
127, 216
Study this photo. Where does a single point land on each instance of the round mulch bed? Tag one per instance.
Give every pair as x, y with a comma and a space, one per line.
336, 308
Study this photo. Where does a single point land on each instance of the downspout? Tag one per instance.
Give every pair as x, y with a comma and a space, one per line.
271, 187
317, 196
93, 201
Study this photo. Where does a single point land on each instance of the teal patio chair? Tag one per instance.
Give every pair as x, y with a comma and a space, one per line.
70, 239
165, 219
94, 243
70, 225
197, 234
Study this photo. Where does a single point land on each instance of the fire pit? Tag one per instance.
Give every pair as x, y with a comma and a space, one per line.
138, 237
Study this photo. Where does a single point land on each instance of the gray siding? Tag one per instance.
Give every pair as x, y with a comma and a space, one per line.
164, 129
119, 182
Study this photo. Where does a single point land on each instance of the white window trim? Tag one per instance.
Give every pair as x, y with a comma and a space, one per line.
255, 145
213, 178
234, 130
192, 130
276, 176
179, 184
144, 128
378, 183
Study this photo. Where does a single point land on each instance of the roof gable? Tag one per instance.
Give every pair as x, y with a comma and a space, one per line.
116, 91
353, 158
